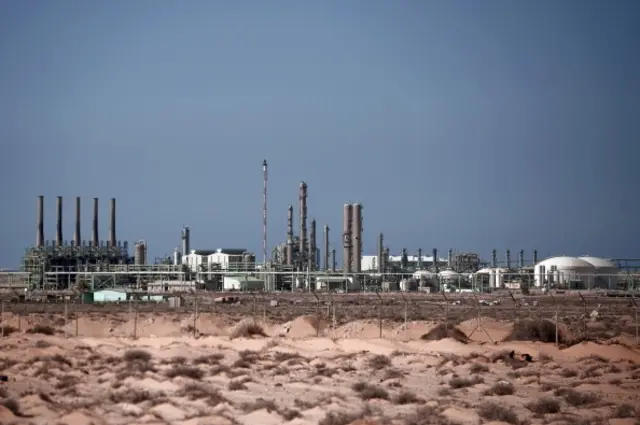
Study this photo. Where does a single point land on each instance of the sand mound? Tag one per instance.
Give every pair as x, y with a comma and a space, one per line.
303, 327
443, 331
414, 330
360, 329
612, 352
478, 331
539, 330
247, 328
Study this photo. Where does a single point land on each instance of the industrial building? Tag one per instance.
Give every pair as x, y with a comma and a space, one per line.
576, 272
221, 259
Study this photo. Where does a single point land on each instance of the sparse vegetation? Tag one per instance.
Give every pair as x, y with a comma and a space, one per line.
368, 392
496, 412
185, 371
41, 329
576, 398
543, 406
247, 329
538, 330
459, 382
445, 330
501, 388
379, 362
625, 411
406, 397
479, 368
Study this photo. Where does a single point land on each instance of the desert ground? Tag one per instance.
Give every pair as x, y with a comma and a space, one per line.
314, 365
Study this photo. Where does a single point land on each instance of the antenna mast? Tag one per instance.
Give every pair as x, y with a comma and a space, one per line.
264, 213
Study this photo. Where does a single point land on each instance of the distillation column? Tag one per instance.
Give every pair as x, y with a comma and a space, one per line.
40, 222
59, 221
303, 222
289, 248
112, 223
327, 266
76, 235
356, 243
347, 237
95, 241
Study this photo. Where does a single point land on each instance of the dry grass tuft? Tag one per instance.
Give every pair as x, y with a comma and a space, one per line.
340, 418
406, 397
544, 405
495, 412
459, 382
479, 368
210, 359
368, 392
443, 331
392, 373
8, 329
281, 356
13, 406
137, 355
501, 388
568, 373
236, 386
200, 391
41, 329
379, 362
247, 329
185, 371
260, 403
576, 398
625, 411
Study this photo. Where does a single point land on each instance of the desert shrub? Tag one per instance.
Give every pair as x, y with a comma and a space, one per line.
199, 391
524, 288
41, 329
624, 411
568, 373
132, 395
379, 362
576, 398
500, 389
495, 412
459, 382
241, 364
406, 397
289, 414
236, 386
137, 355
392, 373
544, 406
13, 406
185, 371
210, 359
8, 329
368, 392
479, 368
538, 330
247, 329
443, 331
259, 403
339, 418
280, 356
444, 392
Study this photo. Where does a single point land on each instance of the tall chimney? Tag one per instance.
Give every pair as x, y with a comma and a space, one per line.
450, 258
494, 259
289, 250
59, 222
95, 240
327, 266
40, 222
356, 235
381, 253
436, 263
333, 260
535, 257
508, 258
312, 246
303, 221
347, 237
112, 223
521, 259
76, 236
186, 240
419, 263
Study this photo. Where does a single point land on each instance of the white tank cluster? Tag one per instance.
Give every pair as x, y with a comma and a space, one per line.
593, 272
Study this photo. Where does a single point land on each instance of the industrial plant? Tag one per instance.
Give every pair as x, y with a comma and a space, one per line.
295, 263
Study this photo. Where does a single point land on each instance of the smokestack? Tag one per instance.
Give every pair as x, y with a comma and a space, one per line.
436, 263
76, 235
450, 259
404, 259
289, 251
381, 253
521, 259
95, 240
535, 257
508, 258
333, 260
303, 221
186, 240
356, 235
419, 264
40, 222
312, 246
112, 223
326, 248
494, 259
59, 221
347, 237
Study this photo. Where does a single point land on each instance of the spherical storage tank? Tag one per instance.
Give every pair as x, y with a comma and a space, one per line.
564, 270
449, 276
607, 272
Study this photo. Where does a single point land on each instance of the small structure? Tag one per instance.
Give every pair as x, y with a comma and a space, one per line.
242, 282
110, 296
606, 272
337, 283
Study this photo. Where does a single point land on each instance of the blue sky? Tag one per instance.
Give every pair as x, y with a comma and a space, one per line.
457, 124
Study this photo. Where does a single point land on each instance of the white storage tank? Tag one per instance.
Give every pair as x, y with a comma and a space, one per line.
449, 277
564, 270
607, 272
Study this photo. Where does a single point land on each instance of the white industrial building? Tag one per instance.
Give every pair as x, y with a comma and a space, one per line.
219, 259
242, 282
569, 271
370, 262
492, 277
606, 272
337, 283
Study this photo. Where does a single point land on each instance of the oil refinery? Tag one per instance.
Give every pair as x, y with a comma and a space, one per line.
295, 263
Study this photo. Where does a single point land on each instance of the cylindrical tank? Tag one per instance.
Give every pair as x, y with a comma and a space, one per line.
436, 265
508, 258
139, 256
450, 258
521, 259
494, 259
381, 253
176, 257
419, 262
186, 240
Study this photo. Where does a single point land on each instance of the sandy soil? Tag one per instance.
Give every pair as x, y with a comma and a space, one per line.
304, 371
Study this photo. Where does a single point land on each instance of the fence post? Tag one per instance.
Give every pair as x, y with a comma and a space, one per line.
584, 321
556, 319
254, 305
264, 308
2, 319
66, 317
317, 313
333, 307
379, 312
515, 307
195, 316
446, 312
479, 320
635, 304
406, 304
